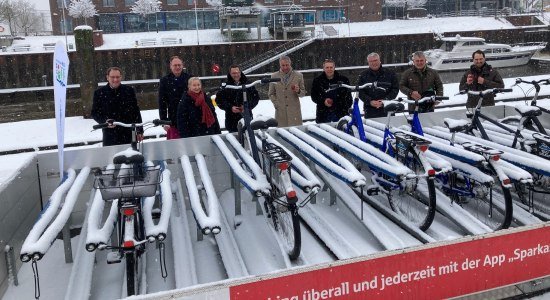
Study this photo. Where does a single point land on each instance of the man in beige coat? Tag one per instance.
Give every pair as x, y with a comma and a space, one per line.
286, 94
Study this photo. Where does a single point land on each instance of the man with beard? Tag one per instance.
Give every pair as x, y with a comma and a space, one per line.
479, 77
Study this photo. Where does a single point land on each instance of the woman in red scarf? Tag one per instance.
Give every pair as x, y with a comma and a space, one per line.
196, 114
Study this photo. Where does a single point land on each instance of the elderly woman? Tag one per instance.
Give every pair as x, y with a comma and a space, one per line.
196, 114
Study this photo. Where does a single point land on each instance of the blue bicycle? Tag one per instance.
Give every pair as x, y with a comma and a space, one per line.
416, 205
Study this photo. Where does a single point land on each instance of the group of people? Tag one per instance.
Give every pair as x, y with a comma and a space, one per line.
183, 101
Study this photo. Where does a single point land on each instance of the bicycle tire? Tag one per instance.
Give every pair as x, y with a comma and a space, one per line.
494, 216
411, 204
132, 275
286, 223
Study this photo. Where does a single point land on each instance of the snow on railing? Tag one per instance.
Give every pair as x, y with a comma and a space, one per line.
303, 177
258, 184
159, 230
96, 235
323, 156
208, 222
41, 235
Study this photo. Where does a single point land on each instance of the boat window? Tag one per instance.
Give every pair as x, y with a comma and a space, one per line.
448, 46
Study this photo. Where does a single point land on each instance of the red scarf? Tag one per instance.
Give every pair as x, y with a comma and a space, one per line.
207, 115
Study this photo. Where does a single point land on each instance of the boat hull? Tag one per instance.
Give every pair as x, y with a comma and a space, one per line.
463, 62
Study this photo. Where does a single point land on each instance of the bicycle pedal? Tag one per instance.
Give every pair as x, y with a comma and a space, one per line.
113, 258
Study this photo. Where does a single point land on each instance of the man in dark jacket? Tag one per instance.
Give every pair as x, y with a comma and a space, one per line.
419, 81
118, 102
332, 105
231, 101
481, 76
171, 89
373, 98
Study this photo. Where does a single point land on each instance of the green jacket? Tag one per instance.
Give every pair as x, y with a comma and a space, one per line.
425, 82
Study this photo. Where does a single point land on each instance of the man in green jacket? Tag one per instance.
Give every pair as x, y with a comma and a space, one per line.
420, 81
479, 77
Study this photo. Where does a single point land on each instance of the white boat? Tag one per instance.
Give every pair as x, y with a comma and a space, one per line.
455, 53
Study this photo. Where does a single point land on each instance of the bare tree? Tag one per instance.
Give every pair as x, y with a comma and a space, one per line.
7, 13
21, 15
82, 9
146, 8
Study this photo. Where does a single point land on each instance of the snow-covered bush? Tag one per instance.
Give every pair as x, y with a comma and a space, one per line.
82, 9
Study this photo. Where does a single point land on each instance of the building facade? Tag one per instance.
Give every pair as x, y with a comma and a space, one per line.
114, 15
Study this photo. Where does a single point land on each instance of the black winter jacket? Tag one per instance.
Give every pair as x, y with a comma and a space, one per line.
492, 80
383, 75
341, 97
171, 89
228, 98
190, 116
120, 105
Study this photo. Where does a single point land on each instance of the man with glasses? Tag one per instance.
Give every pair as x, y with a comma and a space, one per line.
171, 89
420, 81
373, 99
332, 105
116, 102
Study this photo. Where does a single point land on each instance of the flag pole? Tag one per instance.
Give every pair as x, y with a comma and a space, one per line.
196, 21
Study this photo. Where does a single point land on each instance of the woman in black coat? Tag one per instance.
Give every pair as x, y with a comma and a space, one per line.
196, 114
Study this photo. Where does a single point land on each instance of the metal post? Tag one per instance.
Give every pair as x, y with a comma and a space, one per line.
199, 233
66, 233
237, 193
10, 264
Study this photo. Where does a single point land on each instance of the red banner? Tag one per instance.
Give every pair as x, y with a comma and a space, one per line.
440, 272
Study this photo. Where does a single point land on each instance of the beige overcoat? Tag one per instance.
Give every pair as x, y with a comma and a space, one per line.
285, 100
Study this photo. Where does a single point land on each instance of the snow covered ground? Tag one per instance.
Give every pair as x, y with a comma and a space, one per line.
213, 36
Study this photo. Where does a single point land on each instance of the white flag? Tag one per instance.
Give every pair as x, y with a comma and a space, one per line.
60, 73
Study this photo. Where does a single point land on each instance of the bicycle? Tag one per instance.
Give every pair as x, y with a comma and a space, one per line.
127, 184
407, 150
465, 184
531, 142
281, 202
528, 120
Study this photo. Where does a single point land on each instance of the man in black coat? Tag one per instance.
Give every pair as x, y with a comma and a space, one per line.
231, 101
171, 89
373, 98
118, 102
332, 105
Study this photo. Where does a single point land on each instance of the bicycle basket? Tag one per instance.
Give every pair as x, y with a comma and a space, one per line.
542, 148
123, 183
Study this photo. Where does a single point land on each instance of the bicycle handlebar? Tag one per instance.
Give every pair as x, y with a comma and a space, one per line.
155, 122
485, 92
246, 86
374, 85
533, 82
424, 99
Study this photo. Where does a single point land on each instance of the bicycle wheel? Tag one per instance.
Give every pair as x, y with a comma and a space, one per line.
417, 206
490, 206
286, 223
132, 275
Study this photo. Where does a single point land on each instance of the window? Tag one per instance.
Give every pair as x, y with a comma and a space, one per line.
190, 2
129, 2
108, 3
172, 2
68, 26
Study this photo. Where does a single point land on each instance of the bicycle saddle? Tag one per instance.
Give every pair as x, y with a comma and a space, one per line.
528, 111
456, 125
394, 107
263, 123
128, 156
